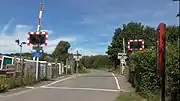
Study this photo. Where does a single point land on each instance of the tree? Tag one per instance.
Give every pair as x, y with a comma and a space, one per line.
97, 61
129, 31
61, 51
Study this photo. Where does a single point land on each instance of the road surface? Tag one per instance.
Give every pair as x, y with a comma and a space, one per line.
94, 86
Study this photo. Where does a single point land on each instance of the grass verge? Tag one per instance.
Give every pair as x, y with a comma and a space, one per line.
129, 96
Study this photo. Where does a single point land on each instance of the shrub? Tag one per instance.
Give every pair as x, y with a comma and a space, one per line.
172, 73
144, 75
3, 83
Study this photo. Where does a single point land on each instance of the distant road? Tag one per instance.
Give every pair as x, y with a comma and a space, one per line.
94, 86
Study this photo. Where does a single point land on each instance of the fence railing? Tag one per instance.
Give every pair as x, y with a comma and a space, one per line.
23, 72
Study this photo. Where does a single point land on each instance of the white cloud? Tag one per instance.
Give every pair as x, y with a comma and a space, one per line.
22, 26
49, 31
7, 26
8, 45
7, 40
85, 52
53, 43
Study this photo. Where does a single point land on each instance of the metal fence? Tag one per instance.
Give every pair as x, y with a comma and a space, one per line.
46, 70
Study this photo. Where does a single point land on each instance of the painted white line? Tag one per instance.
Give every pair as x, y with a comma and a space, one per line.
117, 82
92, 89
19, 93
33, 88
30, 87
1, 96
58, 81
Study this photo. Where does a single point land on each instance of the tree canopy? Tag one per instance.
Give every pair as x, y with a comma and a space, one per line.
130, 31
61, 51
142, 64
96, 62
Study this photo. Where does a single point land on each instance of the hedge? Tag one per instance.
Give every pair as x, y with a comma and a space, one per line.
9, 82
3, 83
143, 74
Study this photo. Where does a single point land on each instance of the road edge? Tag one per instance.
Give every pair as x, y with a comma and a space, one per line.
117, 82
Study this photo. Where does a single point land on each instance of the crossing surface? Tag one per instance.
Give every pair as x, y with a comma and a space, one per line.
94, 86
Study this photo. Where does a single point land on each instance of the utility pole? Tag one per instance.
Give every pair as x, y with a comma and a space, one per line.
20, 45
66, 65
122, 57
77, 62
124, 46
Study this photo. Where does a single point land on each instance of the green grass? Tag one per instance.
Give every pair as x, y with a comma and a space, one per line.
129, 96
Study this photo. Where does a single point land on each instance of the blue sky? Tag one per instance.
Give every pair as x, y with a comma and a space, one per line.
87, 24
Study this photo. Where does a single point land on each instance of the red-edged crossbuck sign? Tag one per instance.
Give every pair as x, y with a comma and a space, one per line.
136, 44
37, 38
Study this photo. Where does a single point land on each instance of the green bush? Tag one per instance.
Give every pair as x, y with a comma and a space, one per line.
3, 83
144, 72
172, 73
83, 69
17, 81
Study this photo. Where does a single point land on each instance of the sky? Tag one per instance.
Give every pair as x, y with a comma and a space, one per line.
88, 25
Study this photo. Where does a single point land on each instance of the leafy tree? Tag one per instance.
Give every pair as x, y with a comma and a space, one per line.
96, 62
143, 75
129, 31
173, 34
61, 51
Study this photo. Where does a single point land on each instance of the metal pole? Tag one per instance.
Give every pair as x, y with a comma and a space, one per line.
120, 66
34, 58
77, 62
37, 69
20, 51
123, 46
66, 65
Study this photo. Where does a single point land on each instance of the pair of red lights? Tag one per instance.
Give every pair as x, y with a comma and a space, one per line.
37, 38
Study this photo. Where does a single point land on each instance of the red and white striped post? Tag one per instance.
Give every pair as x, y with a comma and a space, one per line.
38, 33
39, 18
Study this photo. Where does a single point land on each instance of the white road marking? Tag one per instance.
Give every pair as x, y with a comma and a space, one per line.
59, 81
19, 93
117, 82
1, 96
92, 89
30, 87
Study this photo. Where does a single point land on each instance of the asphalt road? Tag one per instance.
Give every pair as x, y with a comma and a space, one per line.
94, 86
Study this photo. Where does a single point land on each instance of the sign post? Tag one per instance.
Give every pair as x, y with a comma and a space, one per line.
77, 57
122, 57
161, 52
37, 39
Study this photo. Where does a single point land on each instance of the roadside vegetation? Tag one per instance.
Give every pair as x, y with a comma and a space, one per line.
141, 65
129, 96
141, 70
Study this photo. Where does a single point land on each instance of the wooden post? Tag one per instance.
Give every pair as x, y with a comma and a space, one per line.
56, 71
22, 70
